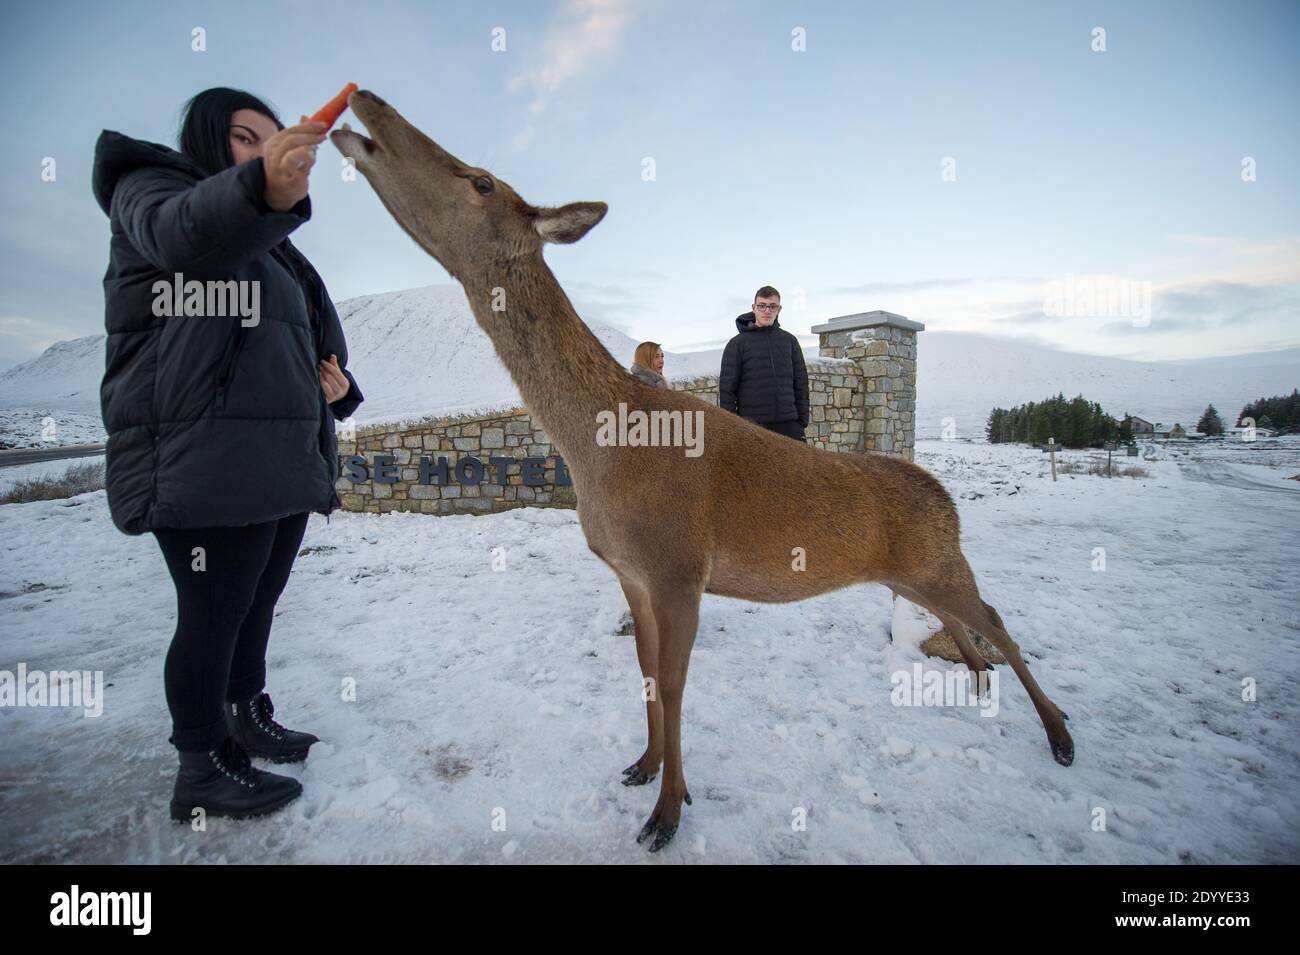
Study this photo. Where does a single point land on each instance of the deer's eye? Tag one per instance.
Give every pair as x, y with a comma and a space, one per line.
484, 185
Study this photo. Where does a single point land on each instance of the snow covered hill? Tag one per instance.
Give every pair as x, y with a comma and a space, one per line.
965, 376
419, 351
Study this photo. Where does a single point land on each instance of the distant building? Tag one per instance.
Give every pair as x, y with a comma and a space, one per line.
1144, 430
1140, 427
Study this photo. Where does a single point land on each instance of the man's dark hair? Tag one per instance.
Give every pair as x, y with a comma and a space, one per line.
766, 292
205, 129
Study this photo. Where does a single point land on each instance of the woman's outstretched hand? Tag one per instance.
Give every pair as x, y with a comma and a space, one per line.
332, 380
287, 159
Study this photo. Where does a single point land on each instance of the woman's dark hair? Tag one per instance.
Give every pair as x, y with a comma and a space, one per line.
205, 138
205, 128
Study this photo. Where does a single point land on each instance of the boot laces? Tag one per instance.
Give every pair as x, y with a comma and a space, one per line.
262, 709
232, 760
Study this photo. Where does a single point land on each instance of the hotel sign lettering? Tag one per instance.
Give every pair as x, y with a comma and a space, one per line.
467, 470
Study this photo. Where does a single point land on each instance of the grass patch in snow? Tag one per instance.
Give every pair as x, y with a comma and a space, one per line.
77, 479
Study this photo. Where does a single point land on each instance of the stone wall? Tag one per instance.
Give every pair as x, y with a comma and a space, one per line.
835, 402
415, 450
861, 395
883, 345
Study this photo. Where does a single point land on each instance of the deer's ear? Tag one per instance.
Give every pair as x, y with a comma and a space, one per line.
568, 223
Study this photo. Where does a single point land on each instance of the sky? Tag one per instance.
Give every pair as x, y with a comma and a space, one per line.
1107, 178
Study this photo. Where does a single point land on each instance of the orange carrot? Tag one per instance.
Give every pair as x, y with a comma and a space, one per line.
329, 113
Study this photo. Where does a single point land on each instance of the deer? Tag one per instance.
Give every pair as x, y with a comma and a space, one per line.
672, 526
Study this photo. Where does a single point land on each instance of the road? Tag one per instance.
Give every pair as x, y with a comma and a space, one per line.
1229, 475
14, 456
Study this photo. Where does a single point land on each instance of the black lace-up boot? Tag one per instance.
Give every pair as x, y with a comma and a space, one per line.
251, 725
223, 782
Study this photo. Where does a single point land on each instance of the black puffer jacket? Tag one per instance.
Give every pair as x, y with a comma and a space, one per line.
763, 374
210, 422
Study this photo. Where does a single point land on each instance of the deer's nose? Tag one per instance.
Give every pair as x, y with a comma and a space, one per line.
370, 95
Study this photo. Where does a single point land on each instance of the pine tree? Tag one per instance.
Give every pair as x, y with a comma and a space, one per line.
1283, 412
1210, 422
1076, 423
993, 430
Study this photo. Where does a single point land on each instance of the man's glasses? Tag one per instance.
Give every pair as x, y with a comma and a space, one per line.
767, 308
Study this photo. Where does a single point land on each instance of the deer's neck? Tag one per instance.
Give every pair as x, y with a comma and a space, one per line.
563, 373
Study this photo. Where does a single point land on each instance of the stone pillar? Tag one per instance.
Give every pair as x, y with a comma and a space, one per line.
884, 346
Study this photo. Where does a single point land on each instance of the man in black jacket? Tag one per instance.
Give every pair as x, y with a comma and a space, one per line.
763, 375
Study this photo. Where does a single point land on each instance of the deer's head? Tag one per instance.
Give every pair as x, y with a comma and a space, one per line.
463, 216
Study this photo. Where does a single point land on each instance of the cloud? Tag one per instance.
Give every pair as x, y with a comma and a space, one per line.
921, 285
584, 32
1207, 306
1234, 259
1218, 299
1156, 327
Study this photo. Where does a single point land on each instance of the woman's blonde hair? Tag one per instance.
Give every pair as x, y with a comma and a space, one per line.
645, 354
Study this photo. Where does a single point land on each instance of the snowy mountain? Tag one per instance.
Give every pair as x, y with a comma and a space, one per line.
65, 377
419, 351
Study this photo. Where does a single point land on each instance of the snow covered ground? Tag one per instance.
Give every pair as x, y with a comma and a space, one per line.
508, 694
49, 427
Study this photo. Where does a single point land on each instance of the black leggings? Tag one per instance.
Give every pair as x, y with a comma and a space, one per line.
223, 611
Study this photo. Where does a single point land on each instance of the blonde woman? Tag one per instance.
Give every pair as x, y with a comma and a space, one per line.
648, 364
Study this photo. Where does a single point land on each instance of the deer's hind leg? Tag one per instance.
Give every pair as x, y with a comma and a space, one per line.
950, 593
975, 661
647, 765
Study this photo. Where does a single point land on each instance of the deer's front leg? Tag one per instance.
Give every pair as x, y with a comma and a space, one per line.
647, 765
677, 616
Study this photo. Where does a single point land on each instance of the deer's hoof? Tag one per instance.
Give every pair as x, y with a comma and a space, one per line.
1063, 750
634, 775
656, 825
663, 836
647, 830
637, 778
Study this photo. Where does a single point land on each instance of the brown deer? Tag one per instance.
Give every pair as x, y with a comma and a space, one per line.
674, 526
